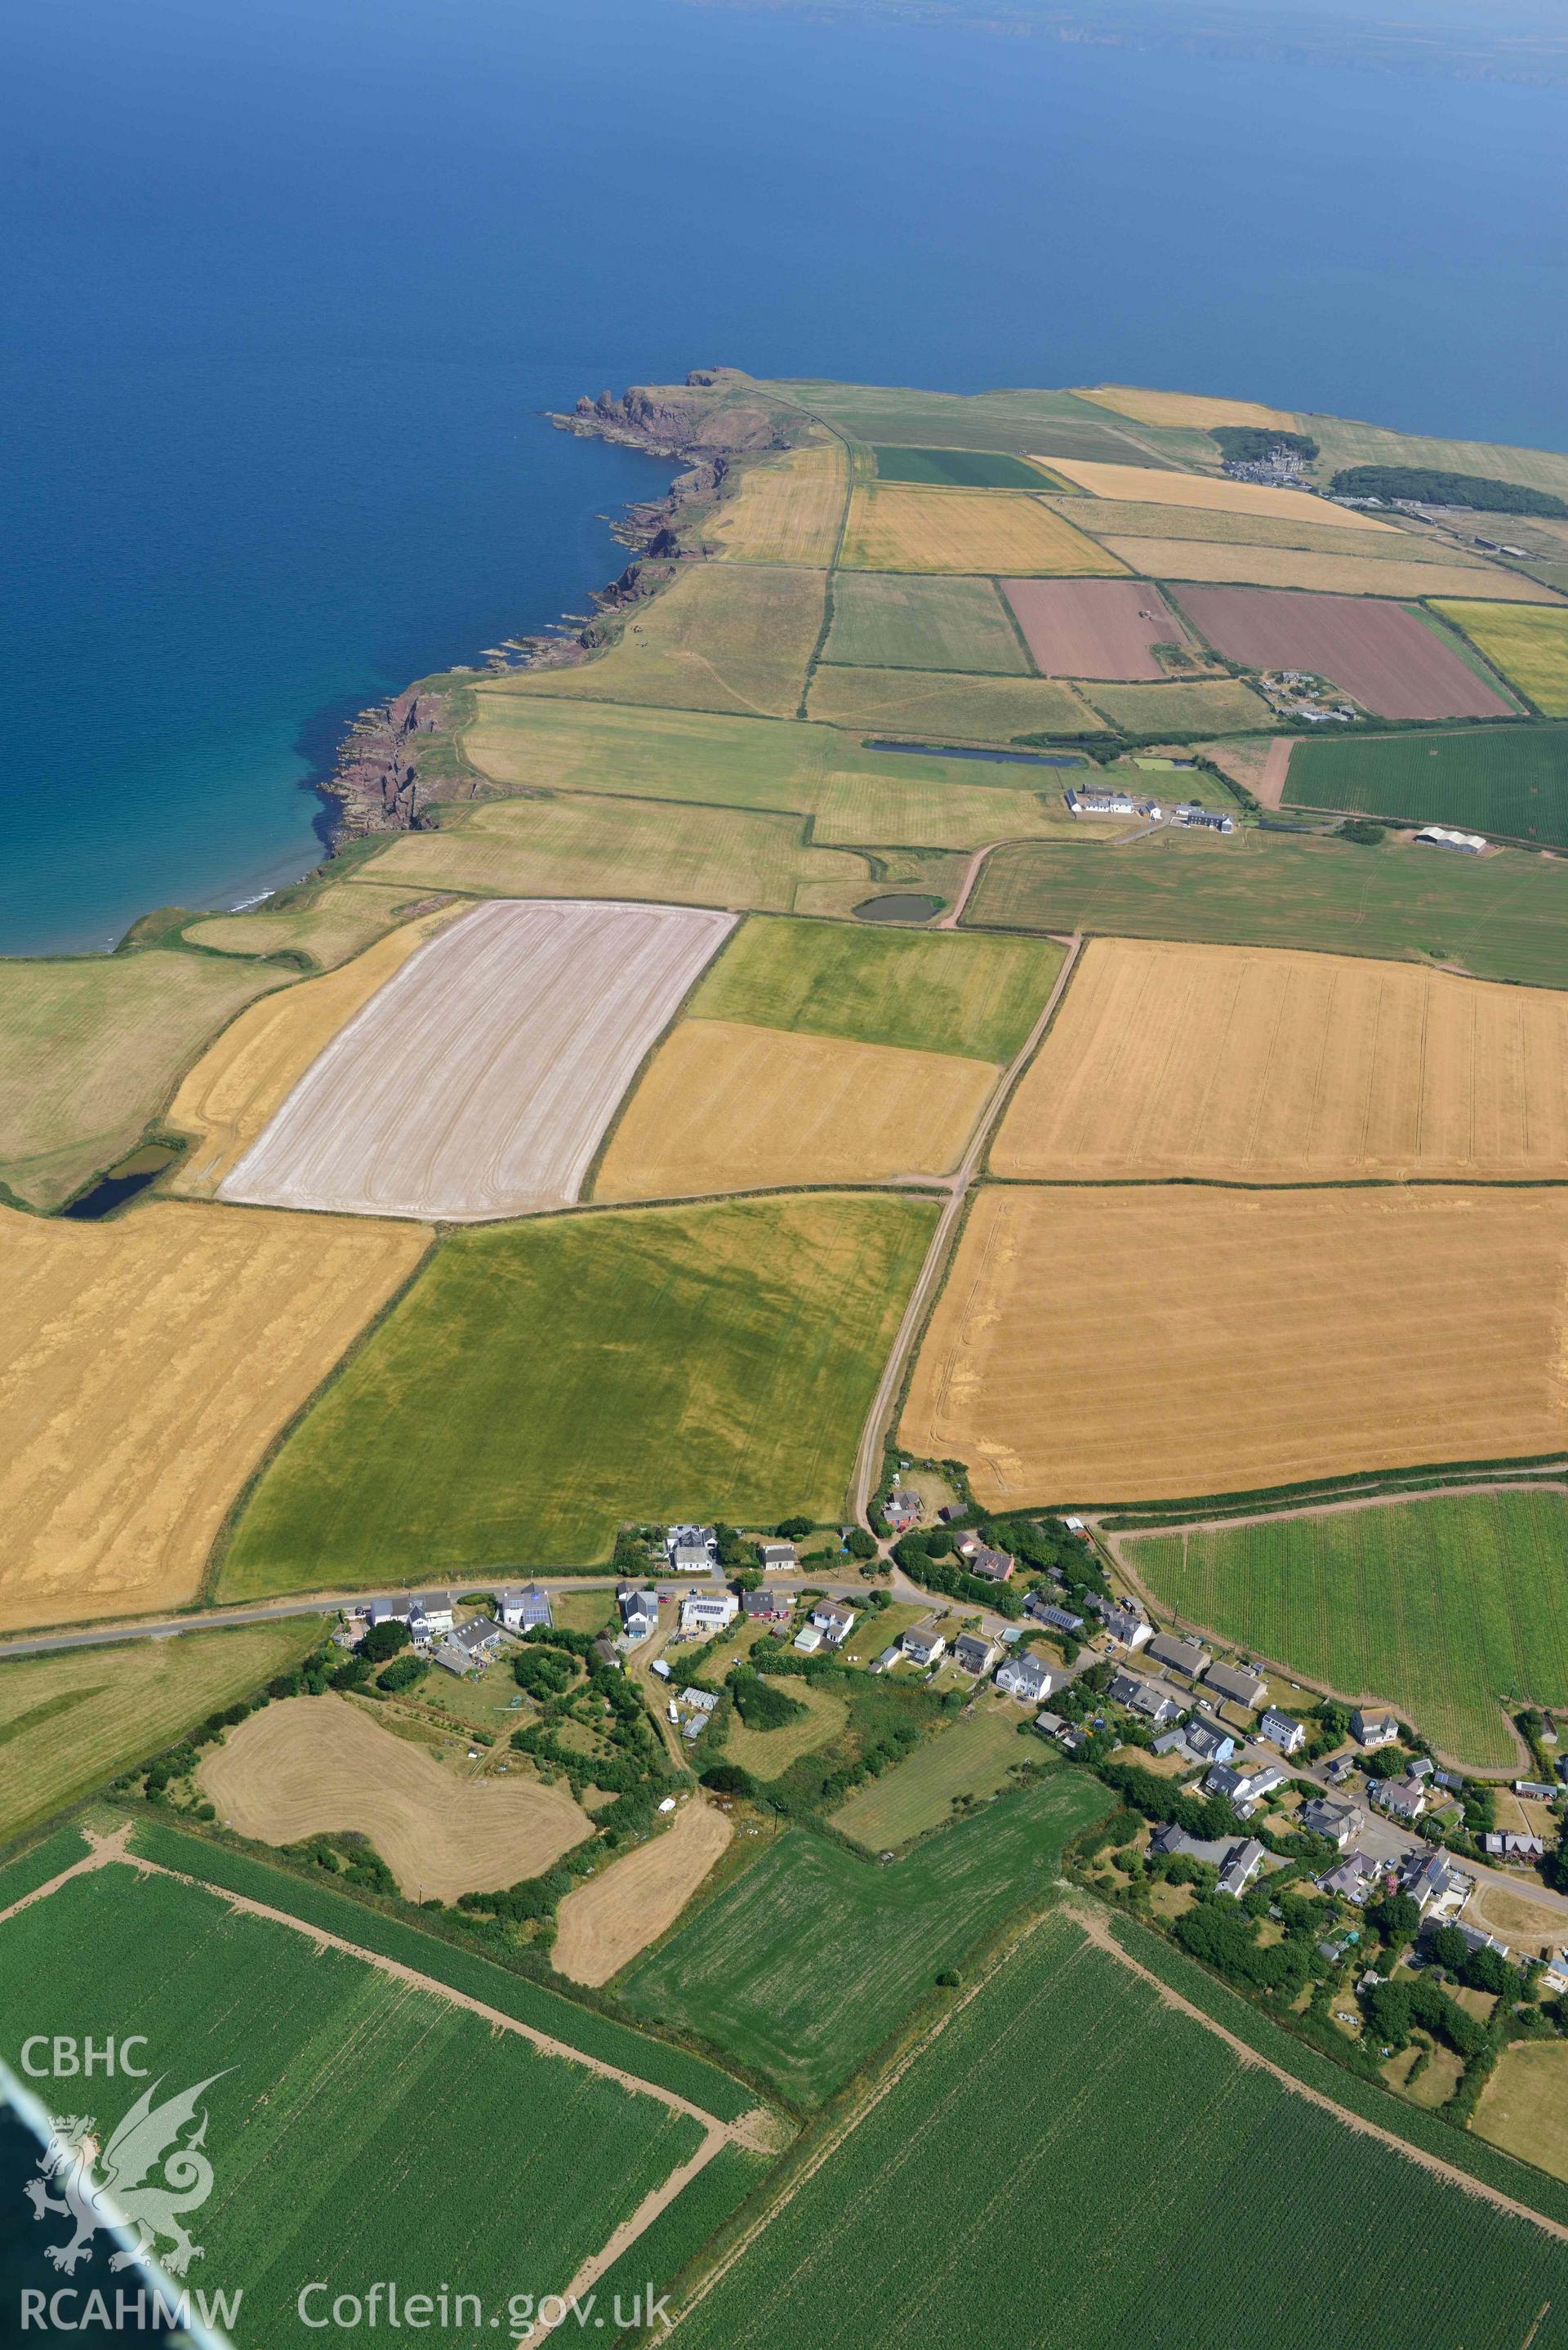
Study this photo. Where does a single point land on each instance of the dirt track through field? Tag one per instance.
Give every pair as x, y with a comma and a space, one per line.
1379, 654
479, 1081
606, 1922
1095, 628
317, 1766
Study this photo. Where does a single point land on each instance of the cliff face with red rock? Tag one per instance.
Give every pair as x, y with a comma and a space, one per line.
376, 782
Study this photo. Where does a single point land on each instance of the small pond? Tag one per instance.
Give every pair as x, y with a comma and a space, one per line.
122, 1182
898, 907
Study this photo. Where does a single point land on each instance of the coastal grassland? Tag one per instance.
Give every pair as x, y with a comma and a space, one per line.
321, 1766
1524, 2107
1059, 422
957, 468
1359, 571
591, 848
1147, 1342
768, 1754
894, 528
94, 1045
327, 2167
1125, 518
1507, 779
1529, 643
787, 509
1257, 1066
327, 927
659, 754
1502, 916
71, 1722
1217, 705
770, 1106
893, 619
1343, 442
1217, 493
967, 1763
247, 1073
801, 1966
885, 809
546, 1382
149, 1362
1447, 1609
1200, 410
1070, 2107
938, 703
920, 990
720, 636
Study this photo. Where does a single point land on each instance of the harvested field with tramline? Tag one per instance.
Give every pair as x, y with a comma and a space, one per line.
1140, 1344
480, 1082
1215, 491
1120, 518
937, 705
602, 1926
311, 1767
775, 1108
897, 619
788, 508
1095, 628
151, 1361
1379, 654
1200, 410
894, 528
1265, 1067
1381, 570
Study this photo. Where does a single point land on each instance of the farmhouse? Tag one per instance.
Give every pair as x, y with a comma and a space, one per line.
1402, 1799
834, 1620
1029, 1678
709, 1611
975, 1655
521, 1611
1241, 1688
922, 1646
767, 1606
1187, 1657
1282, 1730
1204, 819
639, 1612
777, 1557
1340, 1823
1100, 803
1373, 1730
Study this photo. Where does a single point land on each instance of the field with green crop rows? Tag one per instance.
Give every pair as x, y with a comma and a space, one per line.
895, 619
1501, 916
804, 1964
1445, 1607
970, 1762
354, 2120
71, 1721
928, 991
544, 1381
958, 469
1073, 2161
1512, 780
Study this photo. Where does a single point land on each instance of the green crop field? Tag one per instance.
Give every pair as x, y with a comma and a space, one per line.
1528, 642
895, 619
1444, 1607
969, 1760
1512, 780
927, 991
943, 706
804, 1964
1501, 916
1218, 705
893, 808
1073, 2160
353, 2122
541, 1382
35, 1867
530, 743
957, 468
71, 1722
1027, 423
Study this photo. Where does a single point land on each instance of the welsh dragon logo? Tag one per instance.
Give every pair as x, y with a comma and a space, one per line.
119, 2184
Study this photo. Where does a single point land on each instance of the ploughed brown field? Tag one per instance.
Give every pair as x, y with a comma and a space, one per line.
1095, 628
1162, 1342
1274, 1066
1379, 654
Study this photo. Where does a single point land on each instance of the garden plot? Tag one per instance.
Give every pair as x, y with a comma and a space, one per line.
1379, 654
479, 1081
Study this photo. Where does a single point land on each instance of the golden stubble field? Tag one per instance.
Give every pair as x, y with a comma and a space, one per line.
1196, 409
892, 528
606, 1922
1215, 491
729, 1107
317, 1766
788, 509
149, 1362
1139, 1344
1266, 1065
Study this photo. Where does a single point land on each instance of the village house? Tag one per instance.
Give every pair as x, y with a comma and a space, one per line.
691, 1550
1244, 1790
1243, 1688
1237, 1872
709, 1611
902, 1509
521, 1611
431, 1614
975, 1654
1402, 1799
1340, 1823
834, 1620
1283, 1731
1434, 1884
1188, 1657
1171, 1842
1030, 1678
477, 1640
388, 1611
767, 1606
1510, 1846
1373, 1730
994, 1566
1354, 1878
1207, 1741
777, 1557
922, 1646
639, 1612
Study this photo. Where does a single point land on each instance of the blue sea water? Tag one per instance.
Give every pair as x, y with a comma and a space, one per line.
285, 284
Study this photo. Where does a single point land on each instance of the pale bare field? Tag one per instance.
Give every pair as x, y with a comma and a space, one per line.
1215, 491
894, 528
726, 1107
149, 1362
479, 1081
244, 1079
1357, 574
1272, 1067
1198, 408
1157, 1343
309, 1766
788, 508
603, 1924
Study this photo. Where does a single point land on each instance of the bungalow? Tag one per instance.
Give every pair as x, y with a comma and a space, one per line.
1373, 1730
1188, 1657
1402, 1799
777, 1557
834, 1620
1208, 1741
994, 1566
1353, 1877
1340, 1823
922, 1646
477, 1640
1510, 1846
767, 1606
1171, 1841
1122, 1687
1170, 1741
639, 1612
521, 1611
431, 1614
1282, 1730
976, 1656
1244, 1789
709, 1611
1029, 1678
1243, 1688
1237, 1872
1046, 1611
